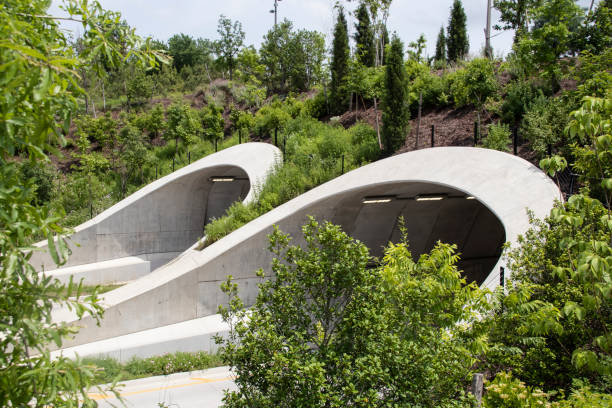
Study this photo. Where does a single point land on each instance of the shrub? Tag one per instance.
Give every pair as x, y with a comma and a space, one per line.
365, 143
498, 138
544, 124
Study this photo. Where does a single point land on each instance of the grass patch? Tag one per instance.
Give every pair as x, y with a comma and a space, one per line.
109, 369
87, 290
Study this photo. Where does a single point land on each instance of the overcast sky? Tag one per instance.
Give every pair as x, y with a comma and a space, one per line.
161, 19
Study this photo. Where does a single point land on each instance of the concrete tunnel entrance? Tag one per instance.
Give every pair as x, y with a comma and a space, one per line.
431, 213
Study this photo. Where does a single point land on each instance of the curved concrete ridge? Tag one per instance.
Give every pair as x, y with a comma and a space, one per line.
188, 288
162, 219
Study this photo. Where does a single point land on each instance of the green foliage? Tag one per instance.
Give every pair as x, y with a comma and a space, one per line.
340, 65
364, 36
593, 74
271, 118
42, 176
544, 124
102, 130
592, 124
292, 59
139, 88
519, 96
457, 43
363, 137
183, 125
440, 55
154, 121
556, 317
188, 52
416, 48
550, 39
212, 120
595, 34
474, 83
326, 331
498, 138
312, 157
108, 369
507, 392
395, 111
515, 15
38, 98
228, 46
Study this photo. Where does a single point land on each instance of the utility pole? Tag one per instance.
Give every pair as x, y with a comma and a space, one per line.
275, 11
488, 50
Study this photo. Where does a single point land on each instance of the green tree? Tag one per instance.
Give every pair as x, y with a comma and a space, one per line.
186, 51
457, 43
364, 37
416, 48
139, 88
515, 15
440, 55
293, 60
230, 43
38, 98
182, 125
212, 120
474, 84
132, 155
340, 64
396, 115
550, 39
326, 331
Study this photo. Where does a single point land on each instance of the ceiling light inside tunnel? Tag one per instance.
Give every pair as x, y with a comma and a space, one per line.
377, 200
430, 197
222, 179
470, 197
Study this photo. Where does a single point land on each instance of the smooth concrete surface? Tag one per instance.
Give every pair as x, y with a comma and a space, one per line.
164, 218
189, 336
504, 187
196, 389
105, 272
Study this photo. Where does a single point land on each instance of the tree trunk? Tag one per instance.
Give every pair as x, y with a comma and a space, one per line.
103, 97
380, 145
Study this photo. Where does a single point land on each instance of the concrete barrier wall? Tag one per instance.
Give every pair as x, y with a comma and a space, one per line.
168, 216
504, 185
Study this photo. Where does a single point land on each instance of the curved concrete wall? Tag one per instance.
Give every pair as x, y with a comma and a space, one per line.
504, 186
166, 217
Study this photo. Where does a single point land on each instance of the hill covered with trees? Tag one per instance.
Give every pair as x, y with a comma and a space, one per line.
87, 121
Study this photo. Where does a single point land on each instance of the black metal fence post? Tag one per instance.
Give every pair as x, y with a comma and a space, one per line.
276, 137
189, 157
502, 273
549, 149
476, 133
515, 140
342, 164
216, 140
239, 137
173, 164
433, 132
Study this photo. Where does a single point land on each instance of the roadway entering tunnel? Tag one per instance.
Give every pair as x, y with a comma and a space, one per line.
430, 213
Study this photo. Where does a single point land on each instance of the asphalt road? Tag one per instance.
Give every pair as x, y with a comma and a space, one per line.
197, 389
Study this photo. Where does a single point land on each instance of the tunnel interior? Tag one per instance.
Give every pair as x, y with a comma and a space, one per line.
431, 213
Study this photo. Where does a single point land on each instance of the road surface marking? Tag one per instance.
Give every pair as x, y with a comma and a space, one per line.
195, 381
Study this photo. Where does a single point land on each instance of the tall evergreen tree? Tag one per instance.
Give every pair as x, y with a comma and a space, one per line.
340, 64
457, 43
441, 46
364, 37
395, 109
